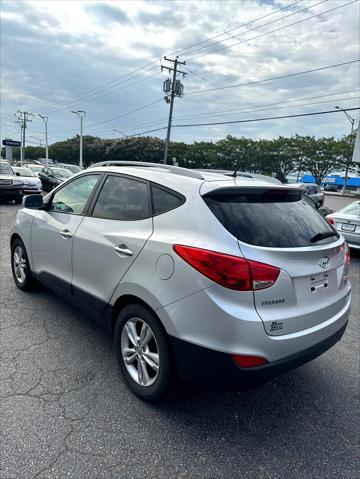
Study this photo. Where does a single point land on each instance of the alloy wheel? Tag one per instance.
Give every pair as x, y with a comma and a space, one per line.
19, 261
140, 352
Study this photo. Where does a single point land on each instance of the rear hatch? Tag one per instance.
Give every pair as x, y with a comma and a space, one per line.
275, 226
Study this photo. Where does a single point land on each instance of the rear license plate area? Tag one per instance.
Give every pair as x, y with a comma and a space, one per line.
348, 227
319, 282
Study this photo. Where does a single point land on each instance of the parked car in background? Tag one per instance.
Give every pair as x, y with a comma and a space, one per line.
52, 177
331, 187
322, 209
312, 190
11, 187
34, 167
31, 181
219, 280
347, 222
73, 168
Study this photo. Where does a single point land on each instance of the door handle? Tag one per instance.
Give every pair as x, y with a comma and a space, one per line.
66, 234
123, 250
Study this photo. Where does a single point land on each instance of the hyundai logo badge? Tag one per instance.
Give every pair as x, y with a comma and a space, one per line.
324, 262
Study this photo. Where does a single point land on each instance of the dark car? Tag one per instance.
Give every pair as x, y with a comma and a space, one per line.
52, 177
11, 187
331, 187
322, 209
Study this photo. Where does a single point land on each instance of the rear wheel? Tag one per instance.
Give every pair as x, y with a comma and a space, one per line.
142, 352
20, 266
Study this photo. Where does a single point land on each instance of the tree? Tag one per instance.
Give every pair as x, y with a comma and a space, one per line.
319, 156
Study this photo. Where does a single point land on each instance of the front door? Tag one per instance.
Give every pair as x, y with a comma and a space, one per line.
53, 231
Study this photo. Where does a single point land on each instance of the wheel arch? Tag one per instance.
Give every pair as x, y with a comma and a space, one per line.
124, 301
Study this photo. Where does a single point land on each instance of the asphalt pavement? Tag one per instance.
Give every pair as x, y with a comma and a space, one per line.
65, 413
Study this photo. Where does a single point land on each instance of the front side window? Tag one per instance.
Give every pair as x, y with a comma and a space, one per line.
72, 198
123, 199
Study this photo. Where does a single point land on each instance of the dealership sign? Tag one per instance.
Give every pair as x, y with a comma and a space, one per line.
8, 142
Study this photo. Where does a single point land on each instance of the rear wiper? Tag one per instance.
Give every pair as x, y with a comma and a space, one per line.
321, 236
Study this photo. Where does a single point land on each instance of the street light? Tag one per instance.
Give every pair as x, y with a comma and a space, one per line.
352, 121
81, 114
45, 120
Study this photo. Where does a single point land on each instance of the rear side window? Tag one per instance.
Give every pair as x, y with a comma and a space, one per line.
270, 218
123, 199
165, 200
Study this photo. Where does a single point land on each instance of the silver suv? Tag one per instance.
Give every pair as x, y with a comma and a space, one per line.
218, 280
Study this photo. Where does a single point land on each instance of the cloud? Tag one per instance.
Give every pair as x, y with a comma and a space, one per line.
107, 12
60, 55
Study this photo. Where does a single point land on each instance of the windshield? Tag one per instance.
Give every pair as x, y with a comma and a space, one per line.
35, 168
352, 209
5, 169
24, 172
272, 218
61, 172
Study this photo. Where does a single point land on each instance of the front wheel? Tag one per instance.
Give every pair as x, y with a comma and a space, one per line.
20, 266
142, 352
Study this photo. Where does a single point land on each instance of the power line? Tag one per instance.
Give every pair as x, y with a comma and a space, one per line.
257, 28
248, 110
263, 119
272, 31
242, 121
116, 81
273, 78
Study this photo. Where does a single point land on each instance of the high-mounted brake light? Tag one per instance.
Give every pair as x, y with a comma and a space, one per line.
229, 271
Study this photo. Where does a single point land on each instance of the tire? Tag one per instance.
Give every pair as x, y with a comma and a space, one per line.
18, 200
24, 281
146, 376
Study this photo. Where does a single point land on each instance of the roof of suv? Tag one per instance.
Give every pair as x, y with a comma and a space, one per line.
185, 180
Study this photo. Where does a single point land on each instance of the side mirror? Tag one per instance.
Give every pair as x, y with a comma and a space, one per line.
33, 201
17, 173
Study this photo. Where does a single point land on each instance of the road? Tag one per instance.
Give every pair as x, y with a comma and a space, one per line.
66, 413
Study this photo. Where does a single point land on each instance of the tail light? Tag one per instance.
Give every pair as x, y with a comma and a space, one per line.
347, 257
330, 221
229, 271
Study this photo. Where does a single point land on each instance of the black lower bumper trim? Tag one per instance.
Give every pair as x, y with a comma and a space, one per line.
197, 364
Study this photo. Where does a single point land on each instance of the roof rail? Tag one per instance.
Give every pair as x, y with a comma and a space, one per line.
176, 170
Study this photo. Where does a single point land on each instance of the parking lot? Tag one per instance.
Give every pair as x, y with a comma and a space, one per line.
66, 413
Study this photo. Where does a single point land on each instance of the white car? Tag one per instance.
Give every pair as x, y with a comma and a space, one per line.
224, 281
347, 222
31, 182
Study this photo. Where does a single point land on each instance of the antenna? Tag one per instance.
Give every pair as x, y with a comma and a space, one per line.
238, 165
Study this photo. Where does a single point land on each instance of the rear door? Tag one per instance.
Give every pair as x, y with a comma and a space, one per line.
276, 228
110, 238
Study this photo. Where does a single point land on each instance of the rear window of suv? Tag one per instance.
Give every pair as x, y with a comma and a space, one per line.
270, 218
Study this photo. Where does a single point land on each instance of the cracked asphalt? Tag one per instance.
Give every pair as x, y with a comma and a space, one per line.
65, 413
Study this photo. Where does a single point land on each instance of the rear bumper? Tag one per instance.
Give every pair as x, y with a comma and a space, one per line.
197, 364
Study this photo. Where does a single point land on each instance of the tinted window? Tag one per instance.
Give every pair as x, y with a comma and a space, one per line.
123, 199
164, 200
73, 197
269, 218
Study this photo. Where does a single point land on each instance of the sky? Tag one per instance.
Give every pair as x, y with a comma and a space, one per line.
104, 57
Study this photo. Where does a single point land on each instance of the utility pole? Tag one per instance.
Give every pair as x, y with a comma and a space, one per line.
23, 118
81, 114
45, 120
175, 88
352, 121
